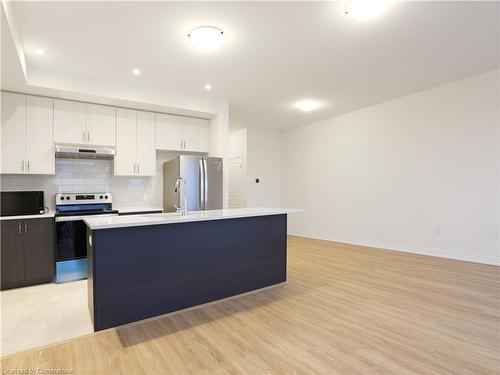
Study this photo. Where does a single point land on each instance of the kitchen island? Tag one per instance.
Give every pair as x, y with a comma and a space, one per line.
148, 265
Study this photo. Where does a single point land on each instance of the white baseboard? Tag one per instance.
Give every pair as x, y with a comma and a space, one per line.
405, 248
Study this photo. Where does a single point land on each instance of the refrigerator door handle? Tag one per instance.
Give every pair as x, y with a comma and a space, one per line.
202, 185
205, 189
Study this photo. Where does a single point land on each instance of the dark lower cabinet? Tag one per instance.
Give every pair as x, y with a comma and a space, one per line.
27, 252
39, 250
12, 252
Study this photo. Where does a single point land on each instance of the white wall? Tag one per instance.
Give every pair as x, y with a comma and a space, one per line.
255, 154
419, 173
264, 152
237, 167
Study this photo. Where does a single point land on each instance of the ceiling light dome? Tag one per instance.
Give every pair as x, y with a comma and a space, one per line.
366, 9
206, 38
307, 105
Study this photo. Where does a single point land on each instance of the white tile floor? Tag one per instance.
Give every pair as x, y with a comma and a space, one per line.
43, 314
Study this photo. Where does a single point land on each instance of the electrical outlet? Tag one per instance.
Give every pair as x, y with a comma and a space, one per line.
437, 230
124, 197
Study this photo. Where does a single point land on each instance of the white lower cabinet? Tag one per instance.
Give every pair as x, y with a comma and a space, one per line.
135, 143
178, 133
27, 134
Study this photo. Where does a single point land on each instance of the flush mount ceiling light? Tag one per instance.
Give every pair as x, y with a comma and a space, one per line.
136, 72
307, 105
366, 9
208, 86
206, 38
40, 51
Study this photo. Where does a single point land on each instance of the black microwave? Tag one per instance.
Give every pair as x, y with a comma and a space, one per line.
14, 203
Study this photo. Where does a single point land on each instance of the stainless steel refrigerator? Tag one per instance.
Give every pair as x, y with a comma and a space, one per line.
203, 177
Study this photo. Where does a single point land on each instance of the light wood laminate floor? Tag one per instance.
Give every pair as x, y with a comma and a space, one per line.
345, 310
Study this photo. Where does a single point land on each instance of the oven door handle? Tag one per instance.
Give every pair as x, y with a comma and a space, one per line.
76, 218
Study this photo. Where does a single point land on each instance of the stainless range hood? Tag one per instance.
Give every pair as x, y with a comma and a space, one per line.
82, 152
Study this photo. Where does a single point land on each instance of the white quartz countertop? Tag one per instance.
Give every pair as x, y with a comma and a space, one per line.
35, 216
172, 217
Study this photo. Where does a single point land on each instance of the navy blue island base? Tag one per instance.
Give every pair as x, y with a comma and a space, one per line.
144, 271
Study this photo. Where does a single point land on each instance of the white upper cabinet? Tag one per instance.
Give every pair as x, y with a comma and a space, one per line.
126, 142
70, 122
146, 150
85, 124
40, 155
195, 134
169, 130
27, 125
101, 122
178, 133
135, 143
13, 132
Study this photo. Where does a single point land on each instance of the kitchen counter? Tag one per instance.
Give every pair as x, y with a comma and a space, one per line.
51, 213
108, 222
144, 266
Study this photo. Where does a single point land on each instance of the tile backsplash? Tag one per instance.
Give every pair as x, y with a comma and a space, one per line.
93, 176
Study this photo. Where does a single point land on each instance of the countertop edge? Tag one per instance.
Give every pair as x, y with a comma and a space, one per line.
183, 219
26, 217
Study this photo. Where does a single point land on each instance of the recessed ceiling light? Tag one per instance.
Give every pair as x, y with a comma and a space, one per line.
366, 9
39, 51
307, 105
136, 72
206, 38
208, 86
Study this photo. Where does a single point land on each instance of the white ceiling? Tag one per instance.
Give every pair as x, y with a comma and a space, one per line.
274, 53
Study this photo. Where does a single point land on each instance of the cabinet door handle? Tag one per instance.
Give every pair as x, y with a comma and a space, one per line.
19, 226
88, 137
138, 168
134, 167
83, 136
28, 164
25, 227
22, 165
